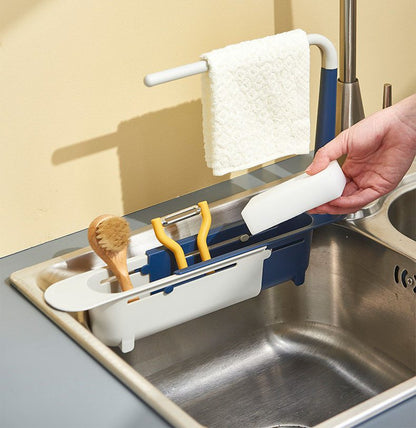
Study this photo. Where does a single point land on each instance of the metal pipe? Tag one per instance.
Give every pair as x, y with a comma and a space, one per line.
348, 33
349, 103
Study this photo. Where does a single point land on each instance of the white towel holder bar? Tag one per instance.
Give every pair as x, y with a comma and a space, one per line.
329, 61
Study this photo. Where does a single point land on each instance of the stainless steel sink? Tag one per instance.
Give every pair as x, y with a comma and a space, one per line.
294, 355
334, 351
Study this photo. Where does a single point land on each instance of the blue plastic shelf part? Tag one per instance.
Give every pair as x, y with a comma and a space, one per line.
325, 122
289, 243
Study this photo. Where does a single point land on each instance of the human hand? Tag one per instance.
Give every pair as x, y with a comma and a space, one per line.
379, 149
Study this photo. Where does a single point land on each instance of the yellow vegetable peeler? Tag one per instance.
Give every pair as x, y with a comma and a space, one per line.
160, 223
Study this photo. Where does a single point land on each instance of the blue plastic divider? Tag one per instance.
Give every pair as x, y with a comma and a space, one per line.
289, 243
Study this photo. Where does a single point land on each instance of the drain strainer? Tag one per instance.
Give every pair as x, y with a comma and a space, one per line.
290, 426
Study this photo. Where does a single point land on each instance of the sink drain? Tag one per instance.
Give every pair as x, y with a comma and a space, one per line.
290, 426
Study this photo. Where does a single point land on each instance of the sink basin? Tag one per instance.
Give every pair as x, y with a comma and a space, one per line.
293, 356
402, 214
335, 351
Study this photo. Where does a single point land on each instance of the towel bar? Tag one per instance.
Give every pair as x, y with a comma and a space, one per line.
325, 126
329, 61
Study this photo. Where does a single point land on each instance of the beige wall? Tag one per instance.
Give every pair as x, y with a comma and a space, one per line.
81, 135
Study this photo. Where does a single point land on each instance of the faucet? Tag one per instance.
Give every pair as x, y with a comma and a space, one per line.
349, 103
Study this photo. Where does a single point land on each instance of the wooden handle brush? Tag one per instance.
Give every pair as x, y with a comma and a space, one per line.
108, 236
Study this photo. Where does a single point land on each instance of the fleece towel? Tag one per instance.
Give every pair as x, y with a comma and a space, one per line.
255, 100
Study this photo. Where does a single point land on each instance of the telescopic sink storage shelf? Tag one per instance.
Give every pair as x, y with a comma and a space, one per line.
241, 265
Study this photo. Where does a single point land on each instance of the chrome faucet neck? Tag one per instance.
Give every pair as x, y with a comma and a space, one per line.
349, 103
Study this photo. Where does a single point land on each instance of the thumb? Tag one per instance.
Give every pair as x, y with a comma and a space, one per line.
319, 163
331, 151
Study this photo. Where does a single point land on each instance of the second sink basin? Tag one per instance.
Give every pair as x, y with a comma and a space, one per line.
402, 214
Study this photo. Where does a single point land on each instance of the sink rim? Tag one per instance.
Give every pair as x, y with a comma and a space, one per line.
393, 210
373, 220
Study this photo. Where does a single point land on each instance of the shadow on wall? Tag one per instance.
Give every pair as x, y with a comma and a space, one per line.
158, 154
161, 153
283, 16
12, 11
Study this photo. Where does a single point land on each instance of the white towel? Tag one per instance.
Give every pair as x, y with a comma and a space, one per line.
255, 100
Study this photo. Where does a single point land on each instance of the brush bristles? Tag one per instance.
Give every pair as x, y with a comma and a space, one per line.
113, 234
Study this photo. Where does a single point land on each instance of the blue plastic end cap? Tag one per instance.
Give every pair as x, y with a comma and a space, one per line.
168, 289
